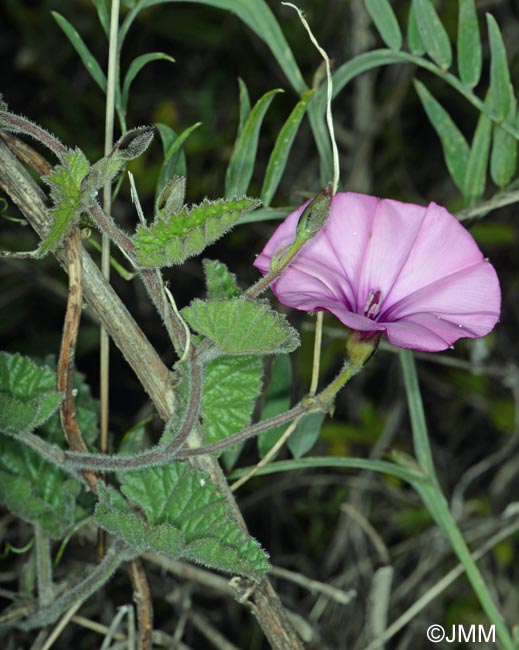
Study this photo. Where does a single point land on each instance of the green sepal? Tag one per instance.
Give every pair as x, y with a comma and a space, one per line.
241, 326
172, 238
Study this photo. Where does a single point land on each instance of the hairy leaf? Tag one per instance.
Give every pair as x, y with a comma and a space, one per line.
181, 515
385, 21
231, 386
28, 395
219, 281
454, 145
69, 199
241, 164
172, 238
241, 326
432, 33
469, 44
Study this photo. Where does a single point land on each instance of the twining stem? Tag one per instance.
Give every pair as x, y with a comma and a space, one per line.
43, 566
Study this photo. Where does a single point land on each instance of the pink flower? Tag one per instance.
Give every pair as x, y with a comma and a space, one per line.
414, 273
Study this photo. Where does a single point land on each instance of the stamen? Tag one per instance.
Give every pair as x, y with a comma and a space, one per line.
372, 304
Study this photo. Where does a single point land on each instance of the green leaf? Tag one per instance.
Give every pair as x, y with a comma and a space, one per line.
172, 238
257, 15
231, 386
500, 87
69, 199
135, 67
469, 44
477, 163
414, 40
244, 105
174, 158
103, 13
183, 517
279, 156
277, 400
306, 434
86, 56
503, 158
241, 326
454, 145
432, 33
36, 490
385, 21
219, 281
241, 164
28, 394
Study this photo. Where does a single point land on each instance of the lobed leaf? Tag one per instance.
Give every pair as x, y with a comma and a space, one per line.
172, 238
385, 21
432, 33
28, 394
69, 200
183, 516
241, 164
231, 386
454, 145
81, 48
469, 44
279, 156
240, 326
500, 87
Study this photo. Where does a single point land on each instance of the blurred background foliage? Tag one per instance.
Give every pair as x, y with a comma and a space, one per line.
388, 148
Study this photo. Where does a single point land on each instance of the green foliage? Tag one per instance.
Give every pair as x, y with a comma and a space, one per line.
36, 490
244, 106
241, 326
28, 394
306, 434
469, 44
277, 400
66, 191
503, 157
182, 516
279, 156
133, 70
432, 33
241, 164
477, 163
81, 48
219, 281
231, 386
500, 88
174, 157
414, 40
454, 145
385, 21
172, 238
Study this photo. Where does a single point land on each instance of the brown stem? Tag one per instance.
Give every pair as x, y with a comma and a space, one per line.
67, 410
142, 599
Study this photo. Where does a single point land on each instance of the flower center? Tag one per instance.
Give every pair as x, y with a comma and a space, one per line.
372, 304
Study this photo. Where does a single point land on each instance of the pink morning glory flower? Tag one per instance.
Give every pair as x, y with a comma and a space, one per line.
413, 273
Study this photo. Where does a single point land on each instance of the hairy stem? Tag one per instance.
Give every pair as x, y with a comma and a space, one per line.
43, 567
